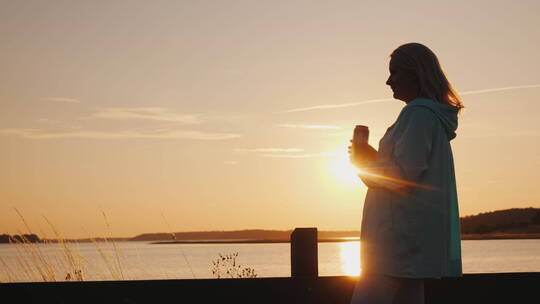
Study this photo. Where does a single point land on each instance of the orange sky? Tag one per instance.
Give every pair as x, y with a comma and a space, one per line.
181, 108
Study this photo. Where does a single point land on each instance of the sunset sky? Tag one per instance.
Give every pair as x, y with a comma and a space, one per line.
225, 115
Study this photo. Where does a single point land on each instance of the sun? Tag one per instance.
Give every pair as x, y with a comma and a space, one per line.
343, 171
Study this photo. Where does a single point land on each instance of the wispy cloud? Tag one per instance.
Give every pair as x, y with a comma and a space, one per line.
287, 153
501, 89
48, 121
352, 104
335, 106
151, 113
148, 133
308, 126
312, 155
501, 134
270, 150
62, 99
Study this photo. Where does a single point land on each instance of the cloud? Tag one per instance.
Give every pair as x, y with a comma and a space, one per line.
273, 150
230, 162
322, 154
150, 113
496, 134
501, 89
288, 153
62, 99
148, 133
48, 121
308, 126
352, 104
334, 106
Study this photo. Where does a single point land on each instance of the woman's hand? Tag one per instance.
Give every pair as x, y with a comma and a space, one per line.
360, 155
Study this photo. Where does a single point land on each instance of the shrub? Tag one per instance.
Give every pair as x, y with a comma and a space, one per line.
226, 266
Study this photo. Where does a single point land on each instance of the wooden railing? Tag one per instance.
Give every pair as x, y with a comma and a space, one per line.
304, 286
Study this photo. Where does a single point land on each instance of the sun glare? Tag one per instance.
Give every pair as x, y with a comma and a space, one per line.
343, 171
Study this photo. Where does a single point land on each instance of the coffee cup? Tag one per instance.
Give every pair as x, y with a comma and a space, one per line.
360, 135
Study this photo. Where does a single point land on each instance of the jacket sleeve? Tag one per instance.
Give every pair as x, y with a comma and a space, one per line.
413, 143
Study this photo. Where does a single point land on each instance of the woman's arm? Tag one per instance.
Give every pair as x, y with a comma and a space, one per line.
359, 156
411, 153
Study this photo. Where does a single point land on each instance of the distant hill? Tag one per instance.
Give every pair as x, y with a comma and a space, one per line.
252, 234
31, 238
509, 221
90, 240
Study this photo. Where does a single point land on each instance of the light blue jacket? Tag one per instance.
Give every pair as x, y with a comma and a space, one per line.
410, 223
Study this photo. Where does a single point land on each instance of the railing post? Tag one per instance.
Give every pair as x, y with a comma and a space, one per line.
304, 255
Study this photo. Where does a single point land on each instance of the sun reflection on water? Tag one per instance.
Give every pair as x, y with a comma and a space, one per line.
350, 258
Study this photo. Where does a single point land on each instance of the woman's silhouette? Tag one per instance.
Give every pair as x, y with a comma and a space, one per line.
410, 226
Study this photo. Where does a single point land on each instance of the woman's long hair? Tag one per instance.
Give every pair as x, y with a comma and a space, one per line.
419, 59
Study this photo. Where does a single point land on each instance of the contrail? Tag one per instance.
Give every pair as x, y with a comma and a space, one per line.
501, 89
333, 106
352, 104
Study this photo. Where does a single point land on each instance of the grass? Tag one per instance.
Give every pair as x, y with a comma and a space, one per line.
62, 260
174, 238
58, 261
226, 266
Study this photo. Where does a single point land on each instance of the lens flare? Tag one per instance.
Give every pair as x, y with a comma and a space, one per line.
343, 171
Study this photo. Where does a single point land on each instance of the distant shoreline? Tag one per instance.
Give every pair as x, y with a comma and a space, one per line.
490, 236
487, 236
352, 239
500, 236
484, 236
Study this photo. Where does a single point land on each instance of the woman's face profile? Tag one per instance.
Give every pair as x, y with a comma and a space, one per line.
404, 83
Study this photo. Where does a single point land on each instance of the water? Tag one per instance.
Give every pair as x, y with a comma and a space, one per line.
141, 260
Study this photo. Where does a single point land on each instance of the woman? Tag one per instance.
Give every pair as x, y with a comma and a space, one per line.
410, 225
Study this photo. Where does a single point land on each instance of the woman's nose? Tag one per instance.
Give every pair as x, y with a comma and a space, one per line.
388, 81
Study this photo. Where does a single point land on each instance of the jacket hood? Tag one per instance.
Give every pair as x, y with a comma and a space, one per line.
447, 114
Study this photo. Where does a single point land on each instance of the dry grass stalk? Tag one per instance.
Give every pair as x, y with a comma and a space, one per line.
174, 238
7, 271
109, 264
40, 262
34, 262
27, 271
65, 263
117, 265
74, 270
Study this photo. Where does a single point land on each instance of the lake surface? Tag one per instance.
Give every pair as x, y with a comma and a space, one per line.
142, 260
